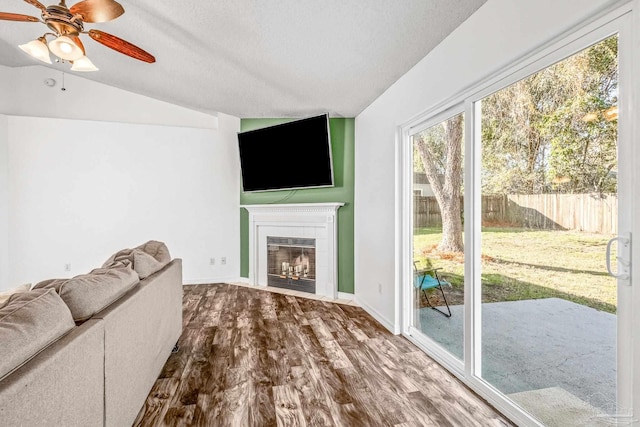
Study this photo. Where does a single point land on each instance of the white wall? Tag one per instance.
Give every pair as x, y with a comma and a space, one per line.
4, 201
24, 93
81, 190
7, 93
500, 31
93, 169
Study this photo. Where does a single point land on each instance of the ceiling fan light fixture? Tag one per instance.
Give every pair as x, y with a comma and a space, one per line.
63, 47
37, 49
66, 27
83, 64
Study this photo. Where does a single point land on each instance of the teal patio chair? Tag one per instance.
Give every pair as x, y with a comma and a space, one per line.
427, 278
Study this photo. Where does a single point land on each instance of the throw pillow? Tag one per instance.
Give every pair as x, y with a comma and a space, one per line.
4, 295
144, 264
123, 256
87, 294
156, 249
29, 322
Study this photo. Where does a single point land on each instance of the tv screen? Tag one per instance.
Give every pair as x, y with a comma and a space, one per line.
291, 155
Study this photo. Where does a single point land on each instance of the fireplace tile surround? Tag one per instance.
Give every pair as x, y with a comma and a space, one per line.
318, 221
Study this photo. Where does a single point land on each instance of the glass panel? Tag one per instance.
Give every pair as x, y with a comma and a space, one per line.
291, 263
549, 206
438, 259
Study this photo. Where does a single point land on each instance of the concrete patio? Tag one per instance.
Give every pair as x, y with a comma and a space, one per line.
532, 345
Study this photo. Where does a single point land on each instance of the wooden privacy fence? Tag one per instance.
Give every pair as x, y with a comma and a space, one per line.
597, 213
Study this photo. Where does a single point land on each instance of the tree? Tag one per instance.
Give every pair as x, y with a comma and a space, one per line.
512, 148
440, 149
548, 132
554, 131
583, 131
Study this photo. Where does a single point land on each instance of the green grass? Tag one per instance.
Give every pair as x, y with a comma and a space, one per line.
520, 264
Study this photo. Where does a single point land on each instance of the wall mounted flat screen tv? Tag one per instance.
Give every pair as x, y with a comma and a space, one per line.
290, 155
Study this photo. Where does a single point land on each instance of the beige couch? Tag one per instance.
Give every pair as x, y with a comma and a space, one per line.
101, 371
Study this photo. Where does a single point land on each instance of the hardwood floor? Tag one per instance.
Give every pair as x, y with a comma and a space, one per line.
250, 357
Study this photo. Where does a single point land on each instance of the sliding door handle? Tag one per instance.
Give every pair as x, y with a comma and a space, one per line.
623, 258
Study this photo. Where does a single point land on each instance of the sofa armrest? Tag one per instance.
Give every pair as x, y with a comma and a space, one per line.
61, 386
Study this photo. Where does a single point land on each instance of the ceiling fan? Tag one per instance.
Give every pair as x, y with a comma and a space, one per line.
67, 24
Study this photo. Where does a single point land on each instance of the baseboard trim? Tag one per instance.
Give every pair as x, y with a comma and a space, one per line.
209, 280
376, 315
346, 296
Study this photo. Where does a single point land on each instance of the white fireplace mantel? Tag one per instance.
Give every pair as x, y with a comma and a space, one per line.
316, 220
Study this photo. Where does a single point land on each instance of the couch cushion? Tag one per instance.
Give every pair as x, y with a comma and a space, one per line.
49, 283
4, 295
144, 264
87, 294
156, 249
123, 256
29, 322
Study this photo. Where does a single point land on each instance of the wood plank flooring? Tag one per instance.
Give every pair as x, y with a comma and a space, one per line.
250, 357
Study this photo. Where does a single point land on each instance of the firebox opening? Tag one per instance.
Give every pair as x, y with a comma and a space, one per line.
291, 263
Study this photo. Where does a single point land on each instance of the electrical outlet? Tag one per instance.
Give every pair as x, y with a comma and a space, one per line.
67, 267
223, 260
212, 261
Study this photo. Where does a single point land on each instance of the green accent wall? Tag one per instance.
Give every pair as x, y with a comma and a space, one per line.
343, 153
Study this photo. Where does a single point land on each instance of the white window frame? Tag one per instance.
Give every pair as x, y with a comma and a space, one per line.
616, 20
452, 364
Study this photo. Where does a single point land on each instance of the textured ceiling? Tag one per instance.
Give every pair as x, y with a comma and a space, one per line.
259, 58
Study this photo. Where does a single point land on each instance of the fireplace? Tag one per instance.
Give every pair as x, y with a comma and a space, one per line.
303, 223
291, 263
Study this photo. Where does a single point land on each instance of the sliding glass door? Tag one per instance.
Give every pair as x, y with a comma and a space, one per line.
438, 248
518, 278
549, 207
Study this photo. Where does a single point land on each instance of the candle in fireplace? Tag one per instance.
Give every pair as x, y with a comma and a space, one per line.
285, 268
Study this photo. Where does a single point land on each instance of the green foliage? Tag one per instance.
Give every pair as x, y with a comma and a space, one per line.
549, 132
434, 140
422, 262
519, 264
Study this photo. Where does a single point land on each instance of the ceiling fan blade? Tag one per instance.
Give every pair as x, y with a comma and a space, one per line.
17, 17
97, 10
37, 4
78, 42
121, 46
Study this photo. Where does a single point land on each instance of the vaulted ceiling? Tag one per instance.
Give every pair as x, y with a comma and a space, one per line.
258, 58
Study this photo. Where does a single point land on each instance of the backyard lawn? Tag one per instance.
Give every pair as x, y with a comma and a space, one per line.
522, 264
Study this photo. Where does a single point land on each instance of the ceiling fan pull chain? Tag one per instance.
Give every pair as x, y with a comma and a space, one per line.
63, 88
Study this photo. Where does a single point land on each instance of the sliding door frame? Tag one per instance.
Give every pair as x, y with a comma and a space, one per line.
614, 20
451, 363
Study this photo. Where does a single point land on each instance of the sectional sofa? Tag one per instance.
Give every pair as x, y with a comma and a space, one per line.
72, 355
